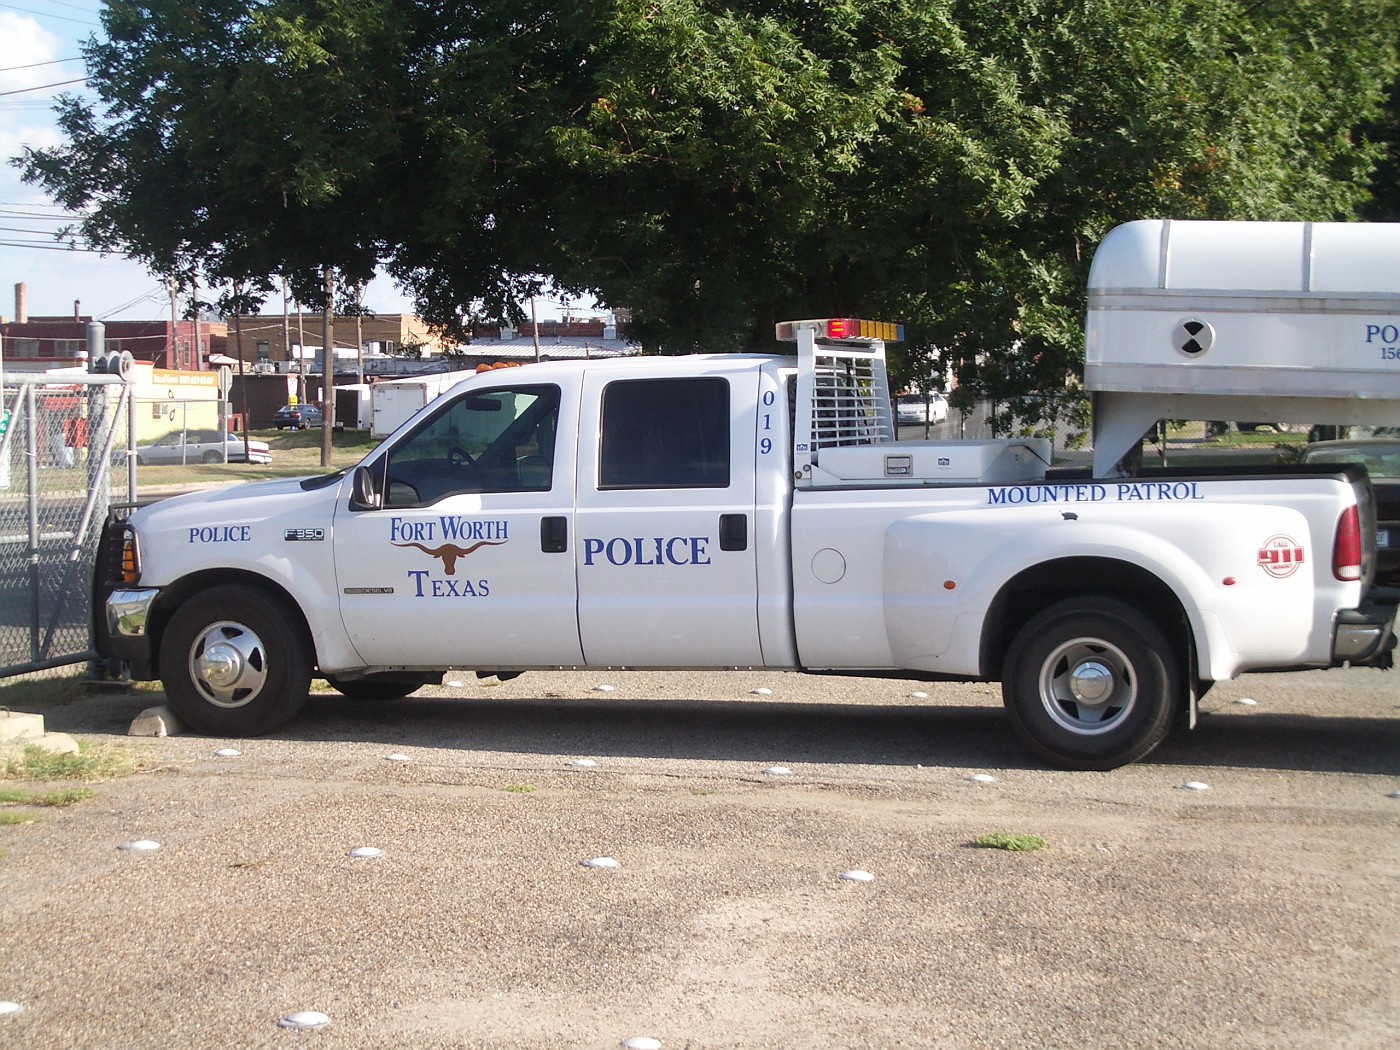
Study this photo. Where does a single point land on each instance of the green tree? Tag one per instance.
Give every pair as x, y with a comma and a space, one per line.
718, 166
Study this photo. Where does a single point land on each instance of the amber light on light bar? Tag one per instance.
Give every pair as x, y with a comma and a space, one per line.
842, 328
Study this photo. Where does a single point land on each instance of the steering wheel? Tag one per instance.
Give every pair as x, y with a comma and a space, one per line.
459, 457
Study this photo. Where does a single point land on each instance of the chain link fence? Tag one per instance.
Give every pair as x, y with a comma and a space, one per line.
60, 440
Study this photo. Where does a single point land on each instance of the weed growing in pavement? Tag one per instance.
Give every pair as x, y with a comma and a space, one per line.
30, 800
519, 789
92, 762
53, 799
1010, 842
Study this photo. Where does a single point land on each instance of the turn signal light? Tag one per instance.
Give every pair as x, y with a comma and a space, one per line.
131, 561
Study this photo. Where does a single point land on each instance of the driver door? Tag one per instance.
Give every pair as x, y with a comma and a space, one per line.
467, 561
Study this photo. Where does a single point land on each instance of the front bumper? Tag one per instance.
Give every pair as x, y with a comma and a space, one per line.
1365, 637
126, 617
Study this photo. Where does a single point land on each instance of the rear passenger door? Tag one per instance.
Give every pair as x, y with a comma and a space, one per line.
665, 510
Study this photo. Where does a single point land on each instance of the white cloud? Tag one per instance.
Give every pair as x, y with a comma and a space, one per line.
25, 42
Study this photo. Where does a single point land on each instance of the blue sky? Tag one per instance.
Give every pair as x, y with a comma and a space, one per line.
40, 50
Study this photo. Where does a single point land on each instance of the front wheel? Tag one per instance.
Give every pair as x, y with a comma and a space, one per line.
234, 662
1091, 683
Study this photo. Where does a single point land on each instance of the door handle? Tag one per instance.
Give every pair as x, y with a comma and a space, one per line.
554, 534
733, 532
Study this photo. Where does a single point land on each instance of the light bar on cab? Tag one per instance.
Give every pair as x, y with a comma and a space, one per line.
842, 328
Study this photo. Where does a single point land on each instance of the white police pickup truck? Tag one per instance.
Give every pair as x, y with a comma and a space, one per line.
742, 511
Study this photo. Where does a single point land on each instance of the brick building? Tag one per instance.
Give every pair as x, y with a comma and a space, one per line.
36, 344
381, 333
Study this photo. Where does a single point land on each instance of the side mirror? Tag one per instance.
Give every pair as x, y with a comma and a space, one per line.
363, 494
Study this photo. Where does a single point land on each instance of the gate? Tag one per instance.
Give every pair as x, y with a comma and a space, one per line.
60, 438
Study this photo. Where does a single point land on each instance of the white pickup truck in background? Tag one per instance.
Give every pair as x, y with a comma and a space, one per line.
748, 510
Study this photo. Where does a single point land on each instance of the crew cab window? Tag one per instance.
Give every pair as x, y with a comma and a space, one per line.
486, 441
665, 434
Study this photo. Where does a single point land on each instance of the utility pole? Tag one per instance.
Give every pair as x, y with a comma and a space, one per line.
359, 334
286, 324
301, 358
328, 370
243, 386
535, 329
194, 308
170, 350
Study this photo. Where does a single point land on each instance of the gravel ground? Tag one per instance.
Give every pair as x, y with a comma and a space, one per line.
1259, 912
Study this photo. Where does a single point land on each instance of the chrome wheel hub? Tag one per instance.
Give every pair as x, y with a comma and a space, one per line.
1088, 686
228, 664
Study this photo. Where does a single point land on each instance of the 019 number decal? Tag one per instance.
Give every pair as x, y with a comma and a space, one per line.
765, 444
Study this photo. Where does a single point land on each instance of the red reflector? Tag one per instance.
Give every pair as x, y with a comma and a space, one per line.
1346, 548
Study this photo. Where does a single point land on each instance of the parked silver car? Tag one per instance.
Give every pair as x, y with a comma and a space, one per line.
921, 408
201, 446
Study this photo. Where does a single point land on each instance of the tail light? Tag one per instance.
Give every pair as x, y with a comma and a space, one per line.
1346, 546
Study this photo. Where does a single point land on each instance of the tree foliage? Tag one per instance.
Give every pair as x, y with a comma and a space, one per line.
717, 166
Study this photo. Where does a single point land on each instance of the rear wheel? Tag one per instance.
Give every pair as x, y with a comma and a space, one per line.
211, 457
1091, 683
385, 686
234, 662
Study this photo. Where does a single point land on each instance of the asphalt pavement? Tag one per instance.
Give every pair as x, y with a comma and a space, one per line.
1238, 888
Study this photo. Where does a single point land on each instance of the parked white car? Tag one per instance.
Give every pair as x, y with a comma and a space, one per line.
201, 446
920, 408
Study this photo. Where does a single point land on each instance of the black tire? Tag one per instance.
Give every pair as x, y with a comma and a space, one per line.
211, 457
386, 686
235, 662
1091, 683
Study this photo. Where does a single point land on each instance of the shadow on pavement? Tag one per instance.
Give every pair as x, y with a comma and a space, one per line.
766, 732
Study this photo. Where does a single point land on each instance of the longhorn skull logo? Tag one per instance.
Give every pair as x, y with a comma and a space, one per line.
448, 553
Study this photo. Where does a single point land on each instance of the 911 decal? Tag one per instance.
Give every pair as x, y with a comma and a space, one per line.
1280, 556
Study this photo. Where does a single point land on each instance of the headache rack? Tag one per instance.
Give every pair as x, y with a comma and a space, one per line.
842, 395
843, 427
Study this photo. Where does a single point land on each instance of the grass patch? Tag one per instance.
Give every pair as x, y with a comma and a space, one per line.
30, 694
41, 692
1010, 842
92, 762
30, 800
53, 799
519, 789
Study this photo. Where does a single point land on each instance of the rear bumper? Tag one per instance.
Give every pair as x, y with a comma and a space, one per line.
1365, 636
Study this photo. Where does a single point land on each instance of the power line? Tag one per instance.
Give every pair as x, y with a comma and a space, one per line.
84, 8
43, 87
61, 18
38, 245
36, 65
51, 217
